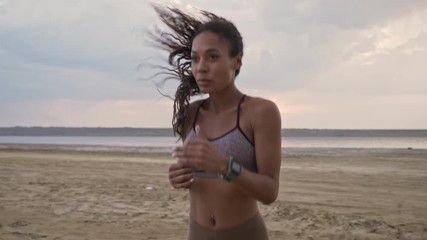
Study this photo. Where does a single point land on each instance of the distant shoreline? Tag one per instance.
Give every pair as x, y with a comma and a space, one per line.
286, 152
167, 132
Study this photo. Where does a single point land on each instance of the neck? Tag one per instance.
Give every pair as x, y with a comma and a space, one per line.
219, 102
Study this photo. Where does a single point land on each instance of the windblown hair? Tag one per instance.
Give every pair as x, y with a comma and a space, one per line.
184, 28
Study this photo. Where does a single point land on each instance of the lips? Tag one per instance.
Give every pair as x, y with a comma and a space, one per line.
203, 81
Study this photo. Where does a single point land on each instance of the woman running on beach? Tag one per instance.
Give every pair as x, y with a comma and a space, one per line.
231, 153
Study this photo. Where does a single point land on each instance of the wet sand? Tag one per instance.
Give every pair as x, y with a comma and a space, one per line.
324, 194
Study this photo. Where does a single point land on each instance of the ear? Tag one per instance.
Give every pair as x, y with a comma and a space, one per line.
239, 61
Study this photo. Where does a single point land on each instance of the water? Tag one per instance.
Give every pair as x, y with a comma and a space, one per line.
169, 142
355, 142
95, 141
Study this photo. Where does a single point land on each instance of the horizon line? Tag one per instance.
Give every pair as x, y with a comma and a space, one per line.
296, 128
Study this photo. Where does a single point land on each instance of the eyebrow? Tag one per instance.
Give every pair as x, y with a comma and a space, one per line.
209, 50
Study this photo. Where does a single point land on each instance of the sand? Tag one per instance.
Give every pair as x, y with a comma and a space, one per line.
324, 194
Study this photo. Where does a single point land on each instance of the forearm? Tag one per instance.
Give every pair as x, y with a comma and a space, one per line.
261, 187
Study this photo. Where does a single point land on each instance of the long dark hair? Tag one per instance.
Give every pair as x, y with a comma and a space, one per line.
178, 44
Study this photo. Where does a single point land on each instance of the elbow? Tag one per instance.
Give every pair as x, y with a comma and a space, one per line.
271, 194
270, 198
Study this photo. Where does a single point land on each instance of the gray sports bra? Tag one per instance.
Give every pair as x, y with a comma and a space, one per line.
232, 143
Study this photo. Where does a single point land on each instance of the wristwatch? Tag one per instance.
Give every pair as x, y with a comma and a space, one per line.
233, 170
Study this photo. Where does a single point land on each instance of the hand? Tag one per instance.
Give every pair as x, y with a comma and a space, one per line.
180, 176
201, 154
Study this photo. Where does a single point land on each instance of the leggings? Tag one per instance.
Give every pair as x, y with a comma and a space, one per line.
252, 229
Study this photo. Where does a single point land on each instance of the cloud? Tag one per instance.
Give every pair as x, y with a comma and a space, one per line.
325, 63
54, 49
72, 113
63, 31
362, 110
385, 60
295, 17
290, 60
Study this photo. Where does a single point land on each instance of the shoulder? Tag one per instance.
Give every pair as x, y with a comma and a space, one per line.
260, 105
192, 111
263, 110
194, 106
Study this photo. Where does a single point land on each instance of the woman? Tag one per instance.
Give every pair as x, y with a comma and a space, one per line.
231, 154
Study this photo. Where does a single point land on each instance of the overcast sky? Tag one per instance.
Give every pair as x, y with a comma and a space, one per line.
354, 64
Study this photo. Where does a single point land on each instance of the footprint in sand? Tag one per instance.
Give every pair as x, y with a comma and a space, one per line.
28, 235
19, 223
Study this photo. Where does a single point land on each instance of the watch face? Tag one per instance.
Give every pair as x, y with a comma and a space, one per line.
235, 167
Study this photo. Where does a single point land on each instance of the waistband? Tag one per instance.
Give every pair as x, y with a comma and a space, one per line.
252, 229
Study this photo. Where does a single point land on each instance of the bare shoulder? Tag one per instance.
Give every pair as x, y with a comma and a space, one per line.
194, 105
263, 113
192, 109
260, 106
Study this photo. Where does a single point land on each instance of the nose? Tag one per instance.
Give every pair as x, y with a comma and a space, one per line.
202, 66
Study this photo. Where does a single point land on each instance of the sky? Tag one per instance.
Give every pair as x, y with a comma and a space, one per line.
329, 64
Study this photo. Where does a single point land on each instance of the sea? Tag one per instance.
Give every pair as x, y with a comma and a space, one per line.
162, 139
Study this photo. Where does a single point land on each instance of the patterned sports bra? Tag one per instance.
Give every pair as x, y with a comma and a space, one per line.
233, 143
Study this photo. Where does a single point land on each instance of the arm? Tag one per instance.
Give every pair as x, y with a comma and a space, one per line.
263, 185
266, 123
180, 175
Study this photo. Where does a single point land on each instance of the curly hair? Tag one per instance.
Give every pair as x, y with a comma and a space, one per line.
178, 43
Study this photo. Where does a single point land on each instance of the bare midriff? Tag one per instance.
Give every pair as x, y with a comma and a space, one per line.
218, 204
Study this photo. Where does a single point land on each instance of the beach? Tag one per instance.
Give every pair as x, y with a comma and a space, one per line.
324, 194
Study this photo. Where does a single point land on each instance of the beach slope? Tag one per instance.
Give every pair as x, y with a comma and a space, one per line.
324, 194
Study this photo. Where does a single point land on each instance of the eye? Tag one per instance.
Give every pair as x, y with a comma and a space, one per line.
213, 57
194, 58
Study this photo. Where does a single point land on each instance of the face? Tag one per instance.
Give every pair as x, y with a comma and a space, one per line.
211, 65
